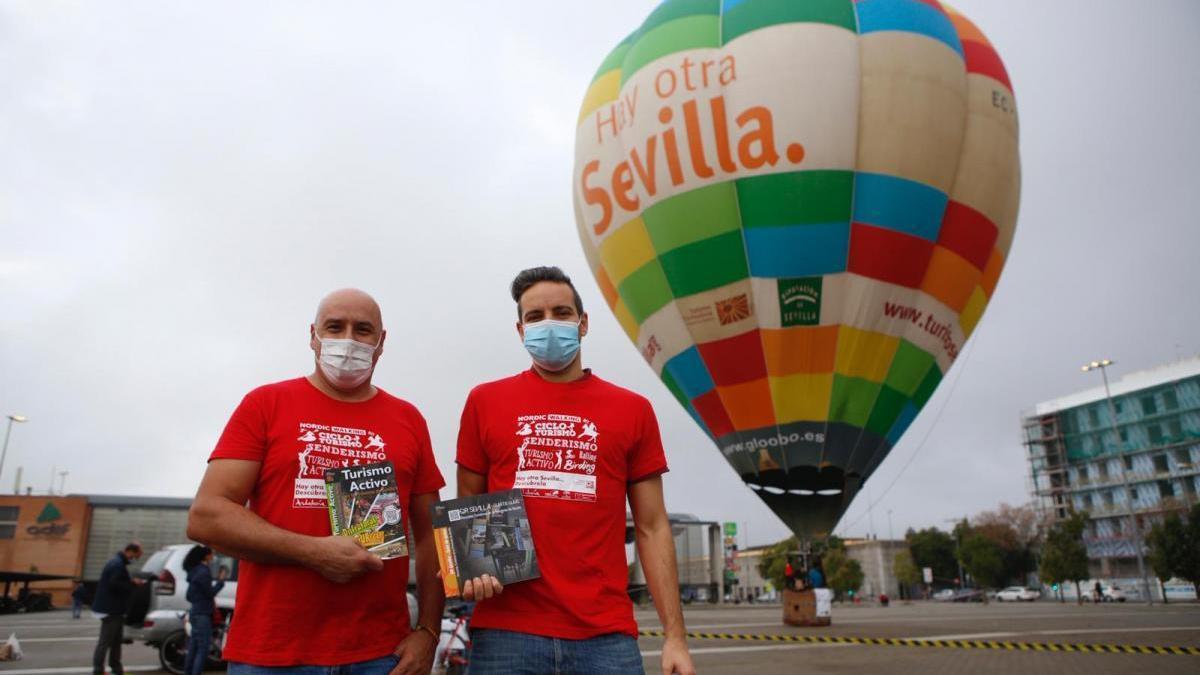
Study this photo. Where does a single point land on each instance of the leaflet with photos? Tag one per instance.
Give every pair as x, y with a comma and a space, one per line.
365, 504
484, 534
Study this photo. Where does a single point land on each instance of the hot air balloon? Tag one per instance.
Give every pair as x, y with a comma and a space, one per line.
798, 210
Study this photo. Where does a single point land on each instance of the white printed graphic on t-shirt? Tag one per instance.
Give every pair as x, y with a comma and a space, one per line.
556, 457
330, 447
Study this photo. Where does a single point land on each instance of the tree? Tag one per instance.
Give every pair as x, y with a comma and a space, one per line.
774, 561
1064, 557
843, 574
906, 571
1168, 548
1028, 525
1189, 562
933, 548
1175, 548
1016, 556
983, 559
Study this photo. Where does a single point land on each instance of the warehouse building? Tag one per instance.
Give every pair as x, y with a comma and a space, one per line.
74, 535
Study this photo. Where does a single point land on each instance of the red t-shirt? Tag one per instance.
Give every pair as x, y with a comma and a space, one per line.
573, 449
291, 615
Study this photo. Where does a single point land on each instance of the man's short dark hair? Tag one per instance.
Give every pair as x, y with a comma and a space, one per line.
133, 547
533, 275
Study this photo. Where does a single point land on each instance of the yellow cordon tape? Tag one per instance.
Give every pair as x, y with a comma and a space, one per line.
952, 644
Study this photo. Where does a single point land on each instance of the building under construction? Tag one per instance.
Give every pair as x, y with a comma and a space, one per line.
1146, 461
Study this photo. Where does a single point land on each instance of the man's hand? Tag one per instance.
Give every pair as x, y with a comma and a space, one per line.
340, 559
675, 657
416, 653
482, 588
222, 573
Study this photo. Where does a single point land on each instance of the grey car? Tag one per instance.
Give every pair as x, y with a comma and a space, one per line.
166, 588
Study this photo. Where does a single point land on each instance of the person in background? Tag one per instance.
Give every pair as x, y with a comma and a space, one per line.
202, 593
815, 578
112, 597
77, 597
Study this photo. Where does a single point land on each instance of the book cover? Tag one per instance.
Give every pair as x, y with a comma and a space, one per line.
365, 504
484, 534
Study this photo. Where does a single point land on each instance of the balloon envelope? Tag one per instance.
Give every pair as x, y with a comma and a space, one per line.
798, 210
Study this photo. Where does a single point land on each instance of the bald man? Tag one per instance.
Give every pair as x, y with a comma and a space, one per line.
307, 600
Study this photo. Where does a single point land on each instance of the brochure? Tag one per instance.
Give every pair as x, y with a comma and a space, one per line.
484, 534
364, 503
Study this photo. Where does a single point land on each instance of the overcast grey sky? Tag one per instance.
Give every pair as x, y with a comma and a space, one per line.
180, 183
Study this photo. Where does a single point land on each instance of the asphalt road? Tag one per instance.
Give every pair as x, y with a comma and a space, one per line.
54, 644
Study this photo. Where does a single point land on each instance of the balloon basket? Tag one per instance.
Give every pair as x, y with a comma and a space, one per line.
807, 608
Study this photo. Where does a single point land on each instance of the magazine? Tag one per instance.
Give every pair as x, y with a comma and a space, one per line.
364, 504
484, 534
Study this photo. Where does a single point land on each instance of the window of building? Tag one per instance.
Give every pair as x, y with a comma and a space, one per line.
1133, 497
1166, 489
1124, 433
1160, 463
1170, 399
1128, 463
1119, 406
8, 521
1108, 498
1183, 456
1174, 430
1148, 405
1102, 470
1156, 434
1093, 417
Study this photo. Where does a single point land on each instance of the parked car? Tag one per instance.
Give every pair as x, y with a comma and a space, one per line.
945, 595
1017, 594
1112, 593
159, 607
969, 595
162, 601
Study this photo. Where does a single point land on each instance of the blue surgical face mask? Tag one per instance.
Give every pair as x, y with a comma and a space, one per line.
552, 344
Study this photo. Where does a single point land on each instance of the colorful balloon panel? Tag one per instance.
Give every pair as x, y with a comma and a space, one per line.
798, 210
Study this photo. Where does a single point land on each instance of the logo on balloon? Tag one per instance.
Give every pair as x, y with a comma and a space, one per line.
800, 301
733, 310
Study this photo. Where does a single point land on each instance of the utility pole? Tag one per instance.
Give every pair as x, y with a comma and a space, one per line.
1102, 366
7, 433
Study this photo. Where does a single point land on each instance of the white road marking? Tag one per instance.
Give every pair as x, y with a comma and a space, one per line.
738, 649
73, 670
1069, 631
23, 640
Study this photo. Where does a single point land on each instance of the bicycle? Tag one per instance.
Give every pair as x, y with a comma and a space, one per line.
455, 642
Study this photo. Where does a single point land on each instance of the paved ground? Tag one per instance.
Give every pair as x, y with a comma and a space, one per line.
1173, 625
54, 644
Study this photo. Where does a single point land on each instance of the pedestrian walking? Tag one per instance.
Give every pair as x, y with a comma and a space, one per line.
77, 597
110, 603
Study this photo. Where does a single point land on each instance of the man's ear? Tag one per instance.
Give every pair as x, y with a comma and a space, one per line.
379, 347
313, 343
521, 330
583, 325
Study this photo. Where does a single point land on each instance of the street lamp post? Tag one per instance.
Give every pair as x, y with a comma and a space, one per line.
1102, 366
7, 433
